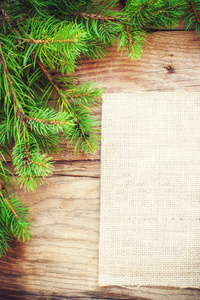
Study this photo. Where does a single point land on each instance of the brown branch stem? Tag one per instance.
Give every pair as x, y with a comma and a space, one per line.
130, 38
144, 6
60, 93
6, 18
45, 71
12, 209
79, 95
91, 16
37, 163
51, 122
10, 84
72, 40
164, 10
194, 11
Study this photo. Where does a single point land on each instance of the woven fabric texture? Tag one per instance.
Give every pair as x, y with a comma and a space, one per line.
150, 190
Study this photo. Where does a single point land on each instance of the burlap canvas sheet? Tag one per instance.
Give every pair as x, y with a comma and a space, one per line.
150, 190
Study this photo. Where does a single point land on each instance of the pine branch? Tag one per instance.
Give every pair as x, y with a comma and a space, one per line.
14, 217
192, 15
9, 23
131, 42
12, 209
4, 239
12, 94
47, 74
5, 70
194, 11
30, 164
88, 100
145, 5
133, 39
154, 14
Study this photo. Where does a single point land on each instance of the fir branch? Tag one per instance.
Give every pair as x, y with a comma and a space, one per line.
4, 239
57, 89
4, 15
166, 10
192, 15
152, 14
5, 70
131, 42
144, 6
10, 24
78, 126
194, 11
48, 120
13, 95
12, 209
14, 216
25, 156
133, 39
56, 44
78, 123
46, 73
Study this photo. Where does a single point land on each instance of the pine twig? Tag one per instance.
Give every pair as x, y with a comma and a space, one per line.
12, 209
194, 11
60, 93
92, 16
72, 40
131, 42
20, 113
46, 73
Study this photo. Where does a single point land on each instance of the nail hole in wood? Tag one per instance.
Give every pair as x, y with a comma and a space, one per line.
170, 69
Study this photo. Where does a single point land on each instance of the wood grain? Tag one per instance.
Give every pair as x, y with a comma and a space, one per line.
62, 257
116, 73
61, 260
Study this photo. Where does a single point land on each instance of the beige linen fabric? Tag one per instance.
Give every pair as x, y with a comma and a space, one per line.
150, 190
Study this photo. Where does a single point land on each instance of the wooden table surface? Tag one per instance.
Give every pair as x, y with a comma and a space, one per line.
61, 259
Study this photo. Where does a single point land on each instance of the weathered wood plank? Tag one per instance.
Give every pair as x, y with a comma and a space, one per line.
61, 260
116, 73
72, 168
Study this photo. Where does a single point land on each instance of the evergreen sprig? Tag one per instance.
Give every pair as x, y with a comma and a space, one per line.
192, 15
41, 42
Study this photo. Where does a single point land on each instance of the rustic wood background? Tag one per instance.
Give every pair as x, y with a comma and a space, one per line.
61, 259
